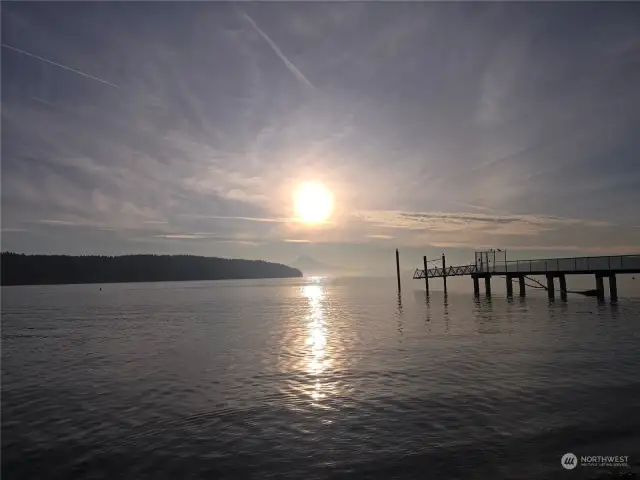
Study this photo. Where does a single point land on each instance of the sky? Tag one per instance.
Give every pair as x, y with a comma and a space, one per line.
154, 127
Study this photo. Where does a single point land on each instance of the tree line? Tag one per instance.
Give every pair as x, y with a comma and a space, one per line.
22, 269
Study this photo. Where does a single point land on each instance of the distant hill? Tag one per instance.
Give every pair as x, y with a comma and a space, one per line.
20, 269
312, 267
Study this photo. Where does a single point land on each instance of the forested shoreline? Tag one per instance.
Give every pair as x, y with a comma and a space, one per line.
23, 269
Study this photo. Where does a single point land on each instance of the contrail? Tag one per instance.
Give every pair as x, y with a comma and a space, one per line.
292, 68
60, 65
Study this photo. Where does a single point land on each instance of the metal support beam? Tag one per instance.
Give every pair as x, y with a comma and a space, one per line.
551, 287
426, 277
613, 287
523, 291
476, 286
563, 287
509, 286
600, 287
487, 285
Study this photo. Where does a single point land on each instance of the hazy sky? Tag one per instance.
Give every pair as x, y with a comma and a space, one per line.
184, 127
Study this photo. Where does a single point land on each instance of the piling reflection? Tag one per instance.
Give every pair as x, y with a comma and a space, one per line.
445, 314
428, 308
400, 315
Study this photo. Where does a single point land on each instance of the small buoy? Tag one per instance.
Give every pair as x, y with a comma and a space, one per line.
100, 288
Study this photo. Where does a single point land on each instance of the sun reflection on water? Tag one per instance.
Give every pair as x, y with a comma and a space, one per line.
318, 361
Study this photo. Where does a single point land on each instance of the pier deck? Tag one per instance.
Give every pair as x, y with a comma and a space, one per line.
486, 267
575, 265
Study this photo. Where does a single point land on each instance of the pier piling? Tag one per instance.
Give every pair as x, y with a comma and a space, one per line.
487, 285
551, 287
522, 286
426, 277
613, 287
600, 287
509, 286
398, 271
444, 273
563, 287
476, 286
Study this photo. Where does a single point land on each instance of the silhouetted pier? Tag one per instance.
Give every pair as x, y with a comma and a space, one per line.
486, 266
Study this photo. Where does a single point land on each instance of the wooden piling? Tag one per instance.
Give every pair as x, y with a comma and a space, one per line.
444, 273
563, 287
613, 287
551, 287
599, 287
426, 277
398, 271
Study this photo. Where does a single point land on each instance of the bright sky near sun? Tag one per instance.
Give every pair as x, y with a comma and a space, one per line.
335, 130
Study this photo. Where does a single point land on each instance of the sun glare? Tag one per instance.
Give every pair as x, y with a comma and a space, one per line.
313, 202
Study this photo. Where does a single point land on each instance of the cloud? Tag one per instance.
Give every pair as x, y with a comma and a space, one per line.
294, 240
210, 237
101, 80
292, 68
61, 223
467, 222
247, 219
185, 236
243, 242
473, 230
380, 236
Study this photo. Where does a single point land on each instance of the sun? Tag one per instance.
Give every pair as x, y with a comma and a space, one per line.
313, 202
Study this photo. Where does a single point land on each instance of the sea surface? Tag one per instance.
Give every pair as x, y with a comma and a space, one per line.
313, 379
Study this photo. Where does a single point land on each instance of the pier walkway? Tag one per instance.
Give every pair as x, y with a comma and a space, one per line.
487, 266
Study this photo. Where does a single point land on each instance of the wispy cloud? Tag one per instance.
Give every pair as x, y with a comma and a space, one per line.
62, 223
242, 242
380, 236
209, 237
468, 222
292, 68
51, 62
185, 236
296, 240
247, 219
44, 102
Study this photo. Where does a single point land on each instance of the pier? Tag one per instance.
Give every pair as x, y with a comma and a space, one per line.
486, 266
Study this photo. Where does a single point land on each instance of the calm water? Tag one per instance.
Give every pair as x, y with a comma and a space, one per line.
293, 379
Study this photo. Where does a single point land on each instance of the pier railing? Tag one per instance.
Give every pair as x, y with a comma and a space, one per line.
616, 263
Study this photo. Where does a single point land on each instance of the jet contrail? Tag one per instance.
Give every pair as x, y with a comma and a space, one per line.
292, 68
60, 65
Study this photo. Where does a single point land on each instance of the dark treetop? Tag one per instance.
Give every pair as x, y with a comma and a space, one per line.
20, 269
